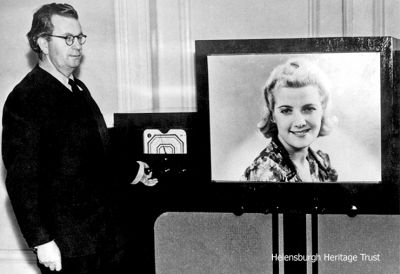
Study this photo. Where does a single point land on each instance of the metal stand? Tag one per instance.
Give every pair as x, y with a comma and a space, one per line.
294, 243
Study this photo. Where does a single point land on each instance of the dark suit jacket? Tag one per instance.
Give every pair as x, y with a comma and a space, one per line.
59, 175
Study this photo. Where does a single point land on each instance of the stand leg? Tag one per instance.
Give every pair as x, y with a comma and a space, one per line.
295, 242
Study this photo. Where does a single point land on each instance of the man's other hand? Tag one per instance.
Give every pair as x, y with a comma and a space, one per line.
49, 255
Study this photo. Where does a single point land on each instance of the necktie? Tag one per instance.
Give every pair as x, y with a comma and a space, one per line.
101, 125
74, 86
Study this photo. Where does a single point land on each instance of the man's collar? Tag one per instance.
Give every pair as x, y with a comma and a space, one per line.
48, 66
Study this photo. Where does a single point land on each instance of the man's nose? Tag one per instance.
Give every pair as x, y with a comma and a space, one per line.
76, 43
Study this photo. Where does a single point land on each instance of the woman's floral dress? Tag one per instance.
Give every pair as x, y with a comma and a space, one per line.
274, 165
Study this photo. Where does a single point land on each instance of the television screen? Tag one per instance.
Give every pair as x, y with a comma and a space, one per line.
237, 105
320, 111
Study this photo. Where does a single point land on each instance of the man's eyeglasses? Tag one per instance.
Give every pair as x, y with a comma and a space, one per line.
69, 39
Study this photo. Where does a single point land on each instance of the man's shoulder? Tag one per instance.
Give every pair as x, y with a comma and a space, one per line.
29, 82
31, 95
31, 86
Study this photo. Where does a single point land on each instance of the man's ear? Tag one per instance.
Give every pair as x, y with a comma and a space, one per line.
43, 45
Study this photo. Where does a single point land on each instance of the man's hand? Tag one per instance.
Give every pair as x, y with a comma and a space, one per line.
146, 179
49, 255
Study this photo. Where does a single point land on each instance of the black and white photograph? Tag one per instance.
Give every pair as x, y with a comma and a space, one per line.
200, 137
352, 109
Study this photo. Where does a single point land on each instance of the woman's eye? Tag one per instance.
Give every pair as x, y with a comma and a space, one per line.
309, 109
286, 111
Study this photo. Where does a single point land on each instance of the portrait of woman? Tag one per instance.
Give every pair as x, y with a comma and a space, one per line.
253, 99
297, 97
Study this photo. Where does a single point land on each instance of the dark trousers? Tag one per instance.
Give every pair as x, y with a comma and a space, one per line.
108, 263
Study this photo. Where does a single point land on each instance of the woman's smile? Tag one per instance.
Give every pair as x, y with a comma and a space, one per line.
300, 133
298, 115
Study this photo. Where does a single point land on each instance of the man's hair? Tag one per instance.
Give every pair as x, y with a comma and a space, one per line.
41, 23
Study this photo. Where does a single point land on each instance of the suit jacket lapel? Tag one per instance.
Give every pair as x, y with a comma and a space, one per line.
101, 125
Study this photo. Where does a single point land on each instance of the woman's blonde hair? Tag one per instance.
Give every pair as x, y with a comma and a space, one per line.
296, 73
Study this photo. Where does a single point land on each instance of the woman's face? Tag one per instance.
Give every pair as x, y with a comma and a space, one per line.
298, 115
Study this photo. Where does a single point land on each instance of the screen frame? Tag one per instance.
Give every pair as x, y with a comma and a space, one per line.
342, 197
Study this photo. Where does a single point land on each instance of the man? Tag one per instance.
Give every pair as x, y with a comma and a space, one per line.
56, 149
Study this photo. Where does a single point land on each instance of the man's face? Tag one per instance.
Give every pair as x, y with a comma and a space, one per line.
65, 58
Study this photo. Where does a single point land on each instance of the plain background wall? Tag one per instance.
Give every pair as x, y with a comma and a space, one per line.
173, 26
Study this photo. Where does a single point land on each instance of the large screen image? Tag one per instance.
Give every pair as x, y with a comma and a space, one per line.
237, 105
